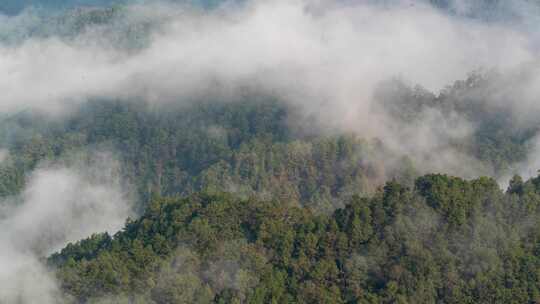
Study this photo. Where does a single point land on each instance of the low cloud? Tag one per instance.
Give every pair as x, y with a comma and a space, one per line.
323, 55
60, 204
4, 154
326, 58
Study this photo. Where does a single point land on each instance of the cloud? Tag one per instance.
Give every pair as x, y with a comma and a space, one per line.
527, 168
4, 155
325, 57
60, 204
332, 53
328, 58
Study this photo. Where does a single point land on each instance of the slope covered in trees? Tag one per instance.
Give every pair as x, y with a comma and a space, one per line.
259, 146
447, 240
269, 163
247, 147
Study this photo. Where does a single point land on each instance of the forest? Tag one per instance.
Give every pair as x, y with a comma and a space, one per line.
251, 210
201, 153
446, 241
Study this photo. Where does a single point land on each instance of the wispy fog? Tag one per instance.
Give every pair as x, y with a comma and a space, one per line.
60, 204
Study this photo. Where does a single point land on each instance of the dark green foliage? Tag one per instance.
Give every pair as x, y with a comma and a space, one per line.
448, 241
247, 147
433, 239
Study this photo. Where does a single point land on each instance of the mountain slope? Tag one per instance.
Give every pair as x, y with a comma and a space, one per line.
449, 240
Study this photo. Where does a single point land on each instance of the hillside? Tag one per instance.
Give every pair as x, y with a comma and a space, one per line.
251, 151
254, 146
448, 240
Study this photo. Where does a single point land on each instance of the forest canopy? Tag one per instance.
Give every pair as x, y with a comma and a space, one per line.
202, 152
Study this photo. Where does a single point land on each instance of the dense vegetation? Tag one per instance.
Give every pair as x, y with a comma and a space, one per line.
424, 239
428, 239
244, 199
247, 147
256, 146
445, 241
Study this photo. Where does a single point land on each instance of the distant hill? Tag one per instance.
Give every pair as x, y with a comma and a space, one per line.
13, 7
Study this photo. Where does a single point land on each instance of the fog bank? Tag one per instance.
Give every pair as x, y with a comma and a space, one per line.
60, 204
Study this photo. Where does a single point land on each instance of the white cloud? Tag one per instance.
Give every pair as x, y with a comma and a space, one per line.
334, 52
327, 57
59, 205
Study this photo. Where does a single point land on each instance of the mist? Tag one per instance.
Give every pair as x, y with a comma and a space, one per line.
327, 58
233, 46
337, 62
330, 53
61, 203
4, 154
